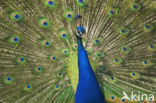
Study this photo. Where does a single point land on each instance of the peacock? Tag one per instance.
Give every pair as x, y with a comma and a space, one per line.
77, 51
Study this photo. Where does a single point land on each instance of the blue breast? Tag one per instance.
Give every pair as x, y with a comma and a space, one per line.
88, 90
81, 29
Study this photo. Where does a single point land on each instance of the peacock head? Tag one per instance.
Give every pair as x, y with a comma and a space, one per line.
80, 31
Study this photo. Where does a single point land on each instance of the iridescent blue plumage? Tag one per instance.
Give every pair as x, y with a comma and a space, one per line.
80, 28
88, 90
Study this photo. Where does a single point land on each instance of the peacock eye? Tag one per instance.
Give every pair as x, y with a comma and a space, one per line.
116, 60
47, 43
57, 86
135, 6
123, 31
64, 35
81, 1
145, 62
45, 23
39, 68
122, 100
54, 58
147, 26
16, 39
28, 86
96, 41
133, 74
124, 49
22, 59
75, 45
17, 16
9, 78
50, 2
112, 97
69, 15
98, 54
103, 68
112, 12
151, 46
59, 74
112, 78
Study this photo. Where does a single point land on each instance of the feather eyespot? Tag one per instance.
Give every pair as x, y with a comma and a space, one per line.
135, 6
69, 83
57, 87
52, 57
113, 12
122, 100
112, 97
28, 88
44, 23
63, 34
8, 80
16, 16
152, 47
75, 46
14, 39
135, 75
99, 54
50, 2
148, 28
46, 43
21, 60
59, 74
69, 15
118, 60
81, 2
123, 31
64, 51
38, 69
146, 63
125, 50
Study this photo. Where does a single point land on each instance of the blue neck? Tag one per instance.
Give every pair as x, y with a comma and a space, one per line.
88, 90
85, 69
